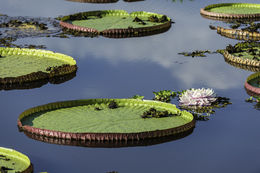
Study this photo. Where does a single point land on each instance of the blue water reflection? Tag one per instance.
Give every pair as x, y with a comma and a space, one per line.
121, 68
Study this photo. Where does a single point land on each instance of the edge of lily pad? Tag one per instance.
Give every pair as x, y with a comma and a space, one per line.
118, 33
242, 66
251, 90
238, 34
102, 136
238, 60
204, 12
63, 70
29, 169
107, 143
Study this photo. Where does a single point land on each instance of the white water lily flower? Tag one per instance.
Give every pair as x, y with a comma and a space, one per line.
198, 97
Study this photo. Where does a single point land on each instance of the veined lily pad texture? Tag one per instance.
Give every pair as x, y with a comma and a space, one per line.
19, 66
243, 53
117, 23
94, 1
238, 34
12, 161
232, 10
92, 119
252, 84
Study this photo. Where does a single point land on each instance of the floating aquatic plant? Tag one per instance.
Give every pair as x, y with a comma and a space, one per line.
164, 95
196, 53
137, 97
197, 97
153, 113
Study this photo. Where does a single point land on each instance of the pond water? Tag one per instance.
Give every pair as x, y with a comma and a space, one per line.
121, 68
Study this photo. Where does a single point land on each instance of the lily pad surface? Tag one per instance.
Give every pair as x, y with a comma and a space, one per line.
96, 119
252, 84
117, 23
28, 65
232, 10
12, 161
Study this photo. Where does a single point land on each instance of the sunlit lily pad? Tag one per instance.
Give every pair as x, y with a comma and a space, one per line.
232, 10
252, 84
244, 53
18, 66
117, 23
100, 119
12, 161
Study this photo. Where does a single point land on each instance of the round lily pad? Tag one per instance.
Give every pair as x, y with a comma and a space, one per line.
14, 161
232, 10
117, 23
252, 84
105, 119
244, 53
19, 66
238, 34
94, 1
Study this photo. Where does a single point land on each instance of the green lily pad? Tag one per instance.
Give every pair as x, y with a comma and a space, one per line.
232, 10
104, 119
252, 84
12, 161
117, 23
28, 65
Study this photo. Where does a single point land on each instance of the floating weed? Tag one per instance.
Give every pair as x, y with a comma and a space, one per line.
98, 109
196, 53
164, 95
254, 99
153, 113
137, 97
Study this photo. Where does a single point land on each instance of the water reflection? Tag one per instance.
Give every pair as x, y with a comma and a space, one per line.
38, 83
110, 144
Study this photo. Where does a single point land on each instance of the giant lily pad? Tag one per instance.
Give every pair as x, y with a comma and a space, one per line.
18, 66
96, 119
252, 84
117, 23
244, 53
232, 10
14, 161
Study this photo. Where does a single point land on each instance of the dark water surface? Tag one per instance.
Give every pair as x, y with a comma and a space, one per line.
120, 68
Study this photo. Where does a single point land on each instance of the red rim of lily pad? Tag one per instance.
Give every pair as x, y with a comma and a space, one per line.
119, 32
208, 14
252, 90
109, 143
238, 34
86, 136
